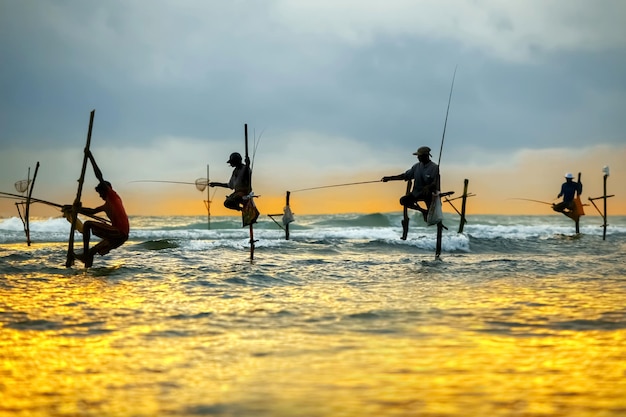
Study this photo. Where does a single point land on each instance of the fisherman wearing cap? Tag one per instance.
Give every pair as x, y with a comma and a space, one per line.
569, 189
239, 182
113, 235
425, 176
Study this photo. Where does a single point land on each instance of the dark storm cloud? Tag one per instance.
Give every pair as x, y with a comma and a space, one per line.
201, 69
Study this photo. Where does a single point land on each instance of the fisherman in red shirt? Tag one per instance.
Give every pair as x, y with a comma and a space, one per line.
113, 235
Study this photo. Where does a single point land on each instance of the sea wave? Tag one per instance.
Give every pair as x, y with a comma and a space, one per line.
499, 233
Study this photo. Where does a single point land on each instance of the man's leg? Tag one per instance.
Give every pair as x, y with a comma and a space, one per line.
410, 201
233, 203
86, 236
560, 207
86, 257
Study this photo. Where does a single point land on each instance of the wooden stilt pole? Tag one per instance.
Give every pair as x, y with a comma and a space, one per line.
251, 244
28, 199
577, 218
76, 205
405, 220
250, 181
208, 199
604, 197
461, 213
439, 238
463, 204
286, 218
26, 205
287, 205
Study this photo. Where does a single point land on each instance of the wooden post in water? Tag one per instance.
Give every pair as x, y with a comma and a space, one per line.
605, 170
405, 220
76, 205
463, 204
287, 206
604, 197
250, 182
27, 210
208, 199
286, 220
439, 238
577, 218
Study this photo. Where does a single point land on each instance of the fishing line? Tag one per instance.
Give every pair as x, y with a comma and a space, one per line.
33, 199
256, 145
169, 182
49, 203
528, 199
335, 185
446, 121
200, 183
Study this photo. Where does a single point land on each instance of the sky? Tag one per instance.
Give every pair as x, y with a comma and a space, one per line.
333, 92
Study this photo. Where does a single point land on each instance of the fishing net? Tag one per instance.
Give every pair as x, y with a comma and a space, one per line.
22, 185
201, 184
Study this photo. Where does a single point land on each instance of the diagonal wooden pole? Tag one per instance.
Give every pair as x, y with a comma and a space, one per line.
76, 205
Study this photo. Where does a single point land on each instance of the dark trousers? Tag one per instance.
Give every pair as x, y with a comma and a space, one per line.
234, 201
411, 200
569, 205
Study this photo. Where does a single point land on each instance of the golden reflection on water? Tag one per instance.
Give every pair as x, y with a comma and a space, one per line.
85, 345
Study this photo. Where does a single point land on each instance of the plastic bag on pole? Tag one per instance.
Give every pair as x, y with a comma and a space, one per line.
435, 212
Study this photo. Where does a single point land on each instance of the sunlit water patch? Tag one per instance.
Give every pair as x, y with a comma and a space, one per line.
515, 319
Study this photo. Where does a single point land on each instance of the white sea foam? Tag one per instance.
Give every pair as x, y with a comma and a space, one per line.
328, 228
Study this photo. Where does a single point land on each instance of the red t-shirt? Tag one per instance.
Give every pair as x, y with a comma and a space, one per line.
116, 212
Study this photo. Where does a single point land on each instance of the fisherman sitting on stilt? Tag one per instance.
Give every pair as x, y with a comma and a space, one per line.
424, 175
240, 182
113, 235
569, 190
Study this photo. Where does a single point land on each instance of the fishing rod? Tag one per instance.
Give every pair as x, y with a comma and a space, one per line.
256, 146
335, 185
168, 182
443, 136
200, 183
49, 203
436, 205
33, 199
528, 199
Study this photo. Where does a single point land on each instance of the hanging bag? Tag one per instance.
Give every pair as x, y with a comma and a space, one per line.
435, 213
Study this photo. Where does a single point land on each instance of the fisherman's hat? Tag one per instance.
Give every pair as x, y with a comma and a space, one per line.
424, 150
234, 157
569, 175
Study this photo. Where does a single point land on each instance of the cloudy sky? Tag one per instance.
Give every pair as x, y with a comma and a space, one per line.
333, 92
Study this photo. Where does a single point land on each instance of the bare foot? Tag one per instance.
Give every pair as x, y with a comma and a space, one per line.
87, 260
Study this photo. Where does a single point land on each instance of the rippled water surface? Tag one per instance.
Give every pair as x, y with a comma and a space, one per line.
518, 318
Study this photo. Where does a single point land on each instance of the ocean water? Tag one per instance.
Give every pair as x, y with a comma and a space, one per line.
518, 317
